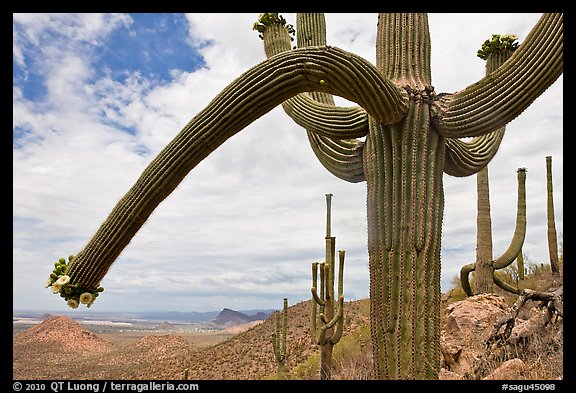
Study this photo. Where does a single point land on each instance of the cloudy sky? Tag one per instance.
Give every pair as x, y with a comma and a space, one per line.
96, 97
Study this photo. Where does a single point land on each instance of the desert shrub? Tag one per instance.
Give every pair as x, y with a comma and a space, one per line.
308, 369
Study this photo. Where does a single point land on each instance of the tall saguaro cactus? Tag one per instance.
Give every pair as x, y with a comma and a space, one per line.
326, 327
513, 250
495, 51
279, 341
412, 137
552, 238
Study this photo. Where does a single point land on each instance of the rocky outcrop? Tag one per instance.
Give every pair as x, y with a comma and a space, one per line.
467, 324
509, 370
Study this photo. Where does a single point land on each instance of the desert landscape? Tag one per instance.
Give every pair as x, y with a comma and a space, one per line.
62, 348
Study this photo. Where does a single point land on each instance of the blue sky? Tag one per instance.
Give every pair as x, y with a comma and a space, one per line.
97, 96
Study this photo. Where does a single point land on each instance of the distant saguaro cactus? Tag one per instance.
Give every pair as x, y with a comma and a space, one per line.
552, 238
326, 327
279, 342
412, 136
513, 249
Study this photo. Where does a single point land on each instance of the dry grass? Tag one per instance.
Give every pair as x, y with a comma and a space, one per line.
541, 353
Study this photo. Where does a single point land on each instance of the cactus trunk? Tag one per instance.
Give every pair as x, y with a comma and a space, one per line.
326, 361
403, 165
483, 267
552, 238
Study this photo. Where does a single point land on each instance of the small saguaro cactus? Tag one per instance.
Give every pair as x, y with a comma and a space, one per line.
552, 238
514, 248
279, 342
326, 327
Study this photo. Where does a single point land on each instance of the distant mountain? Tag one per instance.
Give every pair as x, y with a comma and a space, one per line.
228, 317
166, 326
160, 316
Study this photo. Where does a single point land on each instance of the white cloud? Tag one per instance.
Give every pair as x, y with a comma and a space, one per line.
243, 227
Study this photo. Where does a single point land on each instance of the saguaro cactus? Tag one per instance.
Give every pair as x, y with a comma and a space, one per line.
495, 51
326, 327
552, 238
513, 249
412, 136
279, 341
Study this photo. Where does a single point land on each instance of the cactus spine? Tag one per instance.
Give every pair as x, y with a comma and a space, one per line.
552, 239
279, 342
412, 136
326, 329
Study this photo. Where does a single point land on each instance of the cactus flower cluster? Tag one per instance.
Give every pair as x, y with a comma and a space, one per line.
74, 294
269, 19
498, 43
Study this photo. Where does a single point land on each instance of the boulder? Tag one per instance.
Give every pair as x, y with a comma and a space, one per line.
509, 370
466, 325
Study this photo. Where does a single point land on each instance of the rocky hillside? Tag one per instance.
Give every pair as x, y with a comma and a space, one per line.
61, 334
248, 355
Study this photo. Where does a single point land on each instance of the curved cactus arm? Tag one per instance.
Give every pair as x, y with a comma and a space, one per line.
316, 111
250, 96
327, 325
330, 324
340, 319
515, 246
327, 120
464, 280
505, 286
313, 303
317, 298
501, 96
343, 158
467, 158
